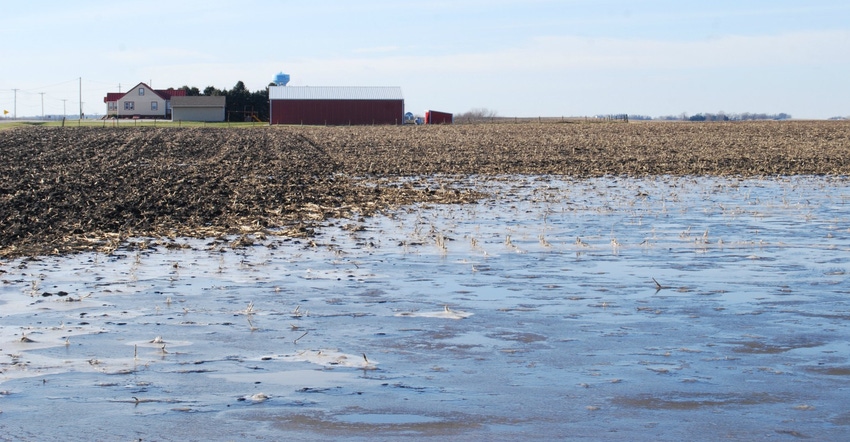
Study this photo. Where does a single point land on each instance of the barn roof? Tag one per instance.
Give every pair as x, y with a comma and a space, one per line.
335, 93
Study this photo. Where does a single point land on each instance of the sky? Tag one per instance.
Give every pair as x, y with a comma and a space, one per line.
517, 58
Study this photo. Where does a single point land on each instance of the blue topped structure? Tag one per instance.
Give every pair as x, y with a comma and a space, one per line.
281, 79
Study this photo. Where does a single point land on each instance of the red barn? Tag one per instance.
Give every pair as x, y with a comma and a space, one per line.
337, 106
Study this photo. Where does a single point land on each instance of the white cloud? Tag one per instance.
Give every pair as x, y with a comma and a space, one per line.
568, 52
377, 50
563, 53
570, 74
147, 56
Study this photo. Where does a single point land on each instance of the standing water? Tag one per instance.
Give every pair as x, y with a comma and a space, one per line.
615, 308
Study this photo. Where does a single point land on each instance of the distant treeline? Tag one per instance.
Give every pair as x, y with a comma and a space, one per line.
477, 114
241, 104
484, 114
720, 116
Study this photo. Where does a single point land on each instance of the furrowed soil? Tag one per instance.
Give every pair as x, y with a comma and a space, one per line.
65, 190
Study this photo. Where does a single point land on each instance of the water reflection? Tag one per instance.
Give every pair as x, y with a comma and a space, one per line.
631, 307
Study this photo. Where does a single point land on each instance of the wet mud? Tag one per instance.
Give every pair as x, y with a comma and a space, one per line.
77, 189
547, 307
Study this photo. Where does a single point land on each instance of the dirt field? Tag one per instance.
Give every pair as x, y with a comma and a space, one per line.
71, 189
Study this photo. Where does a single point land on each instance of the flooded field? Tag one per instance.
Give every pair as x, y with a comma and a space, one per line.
608, 308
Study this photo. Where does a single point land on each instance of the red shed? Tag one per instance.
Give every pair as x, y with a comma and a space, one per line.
437, 117
336, 106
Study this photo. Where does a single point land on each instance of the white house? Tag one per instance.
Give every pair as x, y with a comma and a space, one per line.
141, 101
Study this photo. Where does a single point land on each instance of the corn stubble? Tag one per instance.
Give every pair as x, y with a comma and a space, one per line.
65, 190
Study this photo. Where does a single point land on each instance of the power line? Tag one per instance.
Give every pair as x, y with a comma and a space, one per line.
54, 85
100, 82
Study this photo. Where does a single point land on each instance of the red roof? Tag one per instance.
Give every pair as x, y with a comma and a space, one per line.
113, 96
168, 93
165, 94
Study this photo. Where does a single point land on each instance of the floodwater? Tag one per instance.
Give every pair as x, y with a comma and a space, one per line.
613, 309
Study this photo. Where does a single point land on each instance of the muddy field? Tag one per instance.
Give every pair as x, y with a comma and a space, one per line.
75, 189
635, 282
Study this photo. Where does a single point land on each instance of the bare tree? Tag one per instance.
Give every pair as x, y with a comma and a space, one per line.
476, 115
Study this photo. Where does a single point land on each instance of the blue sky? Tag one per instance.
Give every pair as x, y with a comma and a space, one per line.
514, 57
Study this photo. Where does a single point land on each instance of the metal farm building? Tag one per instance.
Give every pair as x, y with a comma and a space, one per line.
198, 108
336, 106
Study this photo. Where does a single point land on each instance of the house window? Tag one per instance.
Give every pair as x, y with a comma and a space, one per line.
113, 105
154, 105
129, 105
141, 91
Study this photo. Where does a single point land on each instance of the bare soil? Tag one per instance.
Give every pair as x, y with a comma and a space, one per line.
65, 190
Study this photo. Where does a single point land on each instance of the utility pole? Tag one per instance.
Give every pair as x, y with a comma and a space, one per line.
81, 101
42, 104
15, 109
63, 109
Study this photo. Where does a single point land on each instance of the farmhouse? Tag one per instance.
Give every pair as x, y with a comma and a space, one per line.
335, 105
141, 101
198, 108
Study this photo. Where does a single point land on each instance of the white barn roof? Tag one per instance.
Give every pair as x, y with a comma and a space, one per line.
334, 93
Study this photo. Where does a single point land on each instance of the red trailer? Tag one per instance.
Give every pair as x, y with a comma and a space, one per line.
437, 117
